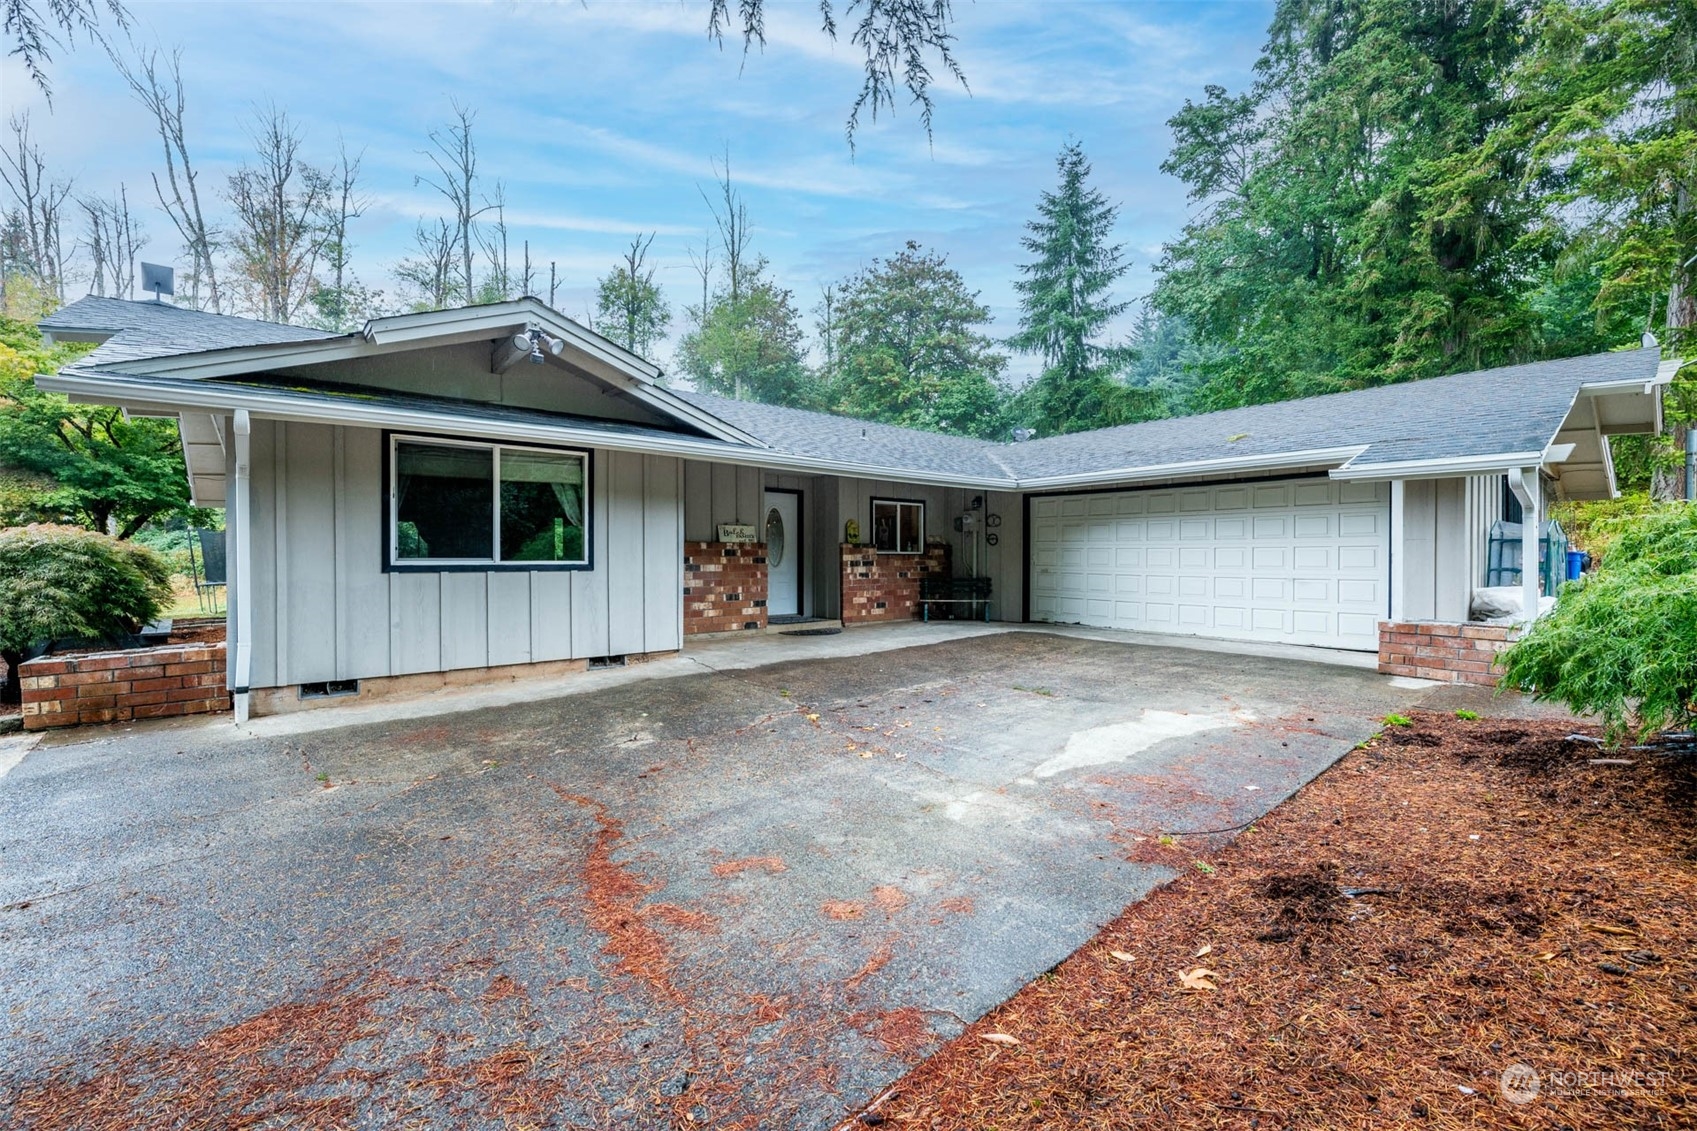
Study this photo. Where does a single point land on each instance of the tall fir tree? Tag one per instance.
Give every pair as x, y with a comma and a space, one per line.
1067, 305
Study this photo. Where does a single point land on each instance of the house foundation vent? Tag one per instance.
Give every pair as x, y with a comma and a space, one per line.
330, 689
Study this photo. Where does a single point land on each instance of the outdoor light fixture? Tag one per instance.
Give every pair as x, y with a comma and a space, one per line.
542, 346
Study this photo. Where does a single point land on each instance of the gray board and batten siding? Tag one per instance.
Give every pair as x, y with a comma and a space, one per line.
325, 608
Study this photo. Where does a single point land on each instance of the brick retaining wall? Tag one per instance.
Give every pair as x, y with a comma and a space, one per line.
116, 687
1455, 653
724, 587
879, 587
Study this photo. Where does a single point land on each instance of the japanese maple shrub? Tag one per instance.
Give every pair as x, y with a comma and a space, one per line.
64, 581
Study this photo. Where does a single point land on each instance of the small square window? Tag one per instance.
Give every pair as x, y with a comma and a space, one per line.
898, 526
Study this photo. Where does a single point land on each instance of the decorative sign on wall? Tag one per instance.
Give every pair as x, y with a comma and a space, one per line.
736, 532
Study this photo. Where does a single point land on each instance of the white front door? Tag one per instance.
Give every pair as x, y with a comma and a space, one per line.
1302, 561
781, 531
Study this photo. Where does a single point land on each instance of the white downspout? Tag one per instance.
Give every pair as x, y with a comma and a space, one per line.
1399, 520
1524, 483
241, 606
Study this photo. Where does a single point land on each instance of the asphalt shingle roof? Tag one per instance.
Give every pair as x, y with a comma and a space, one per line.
820, 434
1490, 412
159, 329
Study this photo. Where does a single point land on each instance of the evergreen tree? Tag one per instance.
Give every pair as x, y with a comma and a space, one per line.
1066, 308
1606, 108
1340, 241
909, 348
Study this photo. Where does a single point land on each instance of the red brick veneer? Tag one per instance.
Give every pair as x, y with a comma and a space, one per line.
1456, 653
724, 587
880, 587
116, 687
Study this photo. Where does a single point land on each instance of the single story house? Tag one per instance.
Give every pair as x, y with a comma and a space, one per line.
446, 495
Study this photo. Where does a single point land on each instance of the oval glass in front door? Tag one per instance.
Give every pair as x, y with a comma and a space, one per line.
774, 538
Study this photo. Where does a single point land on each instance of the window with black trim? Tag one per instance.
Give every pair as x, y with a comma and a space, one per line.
898, 526
456, 503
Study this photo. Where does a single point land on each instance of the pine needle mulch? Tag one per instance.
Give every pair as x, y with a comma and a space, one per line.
1523, 906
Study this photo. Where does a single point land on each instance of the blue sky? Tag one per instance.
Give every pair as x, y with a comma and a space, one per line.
603, 118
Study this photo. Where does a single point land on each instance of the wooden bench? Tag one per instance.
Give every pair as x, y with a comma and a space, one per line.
954, 592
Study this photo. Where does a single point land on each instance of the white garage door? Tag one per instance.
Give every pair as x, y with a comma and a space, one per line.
1301, 561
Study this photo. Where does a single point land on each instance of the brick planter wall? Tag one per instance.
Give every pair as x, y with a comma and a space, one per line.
724, 587
116, 687
881, 587
1456, 653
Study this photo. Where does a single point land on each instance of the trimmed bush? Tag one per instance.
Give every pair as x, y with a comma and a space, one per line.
64, 581
1622, 642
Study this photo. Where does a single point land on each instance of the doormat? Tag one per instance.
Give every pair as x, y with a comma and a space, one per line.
811, 632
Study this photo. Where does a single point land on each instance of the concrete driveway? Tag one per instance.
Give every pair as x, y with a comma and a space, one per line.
742, 898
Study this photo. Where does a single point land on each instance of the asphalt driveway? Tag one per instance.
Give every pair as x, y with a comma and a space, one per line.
747, 898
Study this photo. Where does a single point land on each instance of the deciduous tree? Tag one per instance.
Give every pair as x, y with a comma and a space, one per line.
630, 307
909, 348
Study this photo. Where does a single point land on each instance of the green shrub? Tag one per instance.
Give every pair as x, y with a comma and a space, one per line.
1594, 525
1622, 642
64, 581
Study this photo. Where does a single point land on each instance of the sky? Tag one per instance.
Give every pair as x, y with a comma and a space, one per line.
603, 119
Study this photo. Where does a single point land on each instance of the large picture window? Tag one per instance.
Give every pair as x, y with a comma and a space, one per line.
898, 526
456, 504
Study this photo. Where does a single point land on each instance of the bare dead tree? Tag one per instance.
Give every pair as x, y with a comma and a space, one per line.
553, 281
36, 212
498, 284
527, 280
114, 237
32, 36
454, 153
730, 216
343, 204
702, 265
159, 87
430, 273
277, 201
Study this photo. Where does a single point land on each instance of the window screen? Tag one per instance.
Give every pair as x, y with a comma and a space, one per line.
541, 507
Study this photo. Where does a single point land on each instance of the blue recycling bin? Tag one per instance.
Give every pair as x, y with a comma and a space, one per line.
1575, 564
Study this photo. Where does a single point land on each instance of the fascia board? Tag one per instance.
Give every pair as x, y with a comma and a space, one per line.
498, 316
247, 359
1441, 468
1272, 462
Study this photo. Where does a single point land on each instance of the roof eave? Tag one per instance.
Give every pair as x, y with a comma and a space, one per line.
1275, 461
103, 388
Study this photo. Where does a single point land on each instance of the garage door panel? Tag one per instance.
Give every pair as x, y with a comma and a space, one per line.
1300, 561
1313, 526
1358, 557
